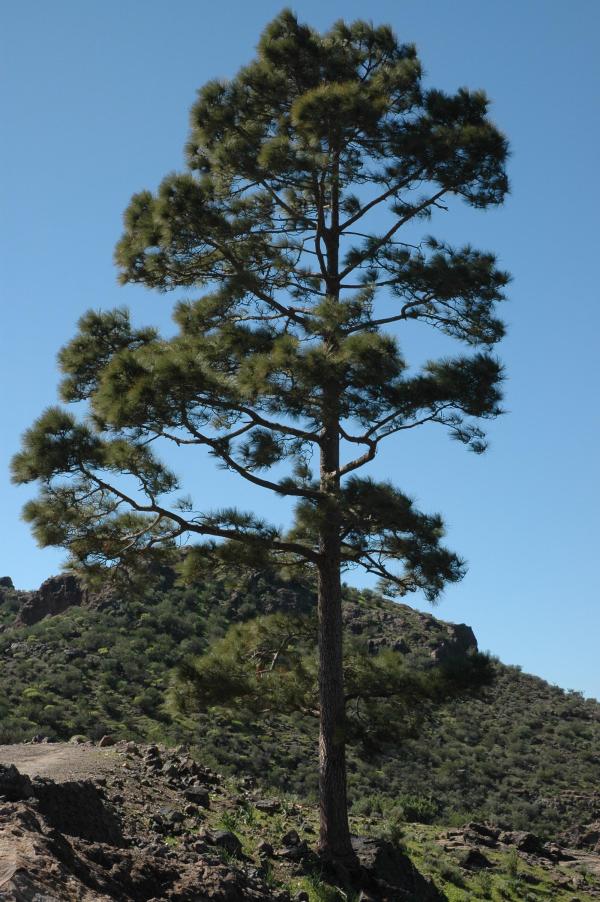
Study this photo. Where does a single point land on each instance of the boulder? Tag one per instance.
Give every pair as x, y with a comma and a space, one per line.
483, 830
198, 796
523, 840
77, 809
297, 852
264, 849
224, 839
291, 838
268, 806
474, 860
14, 785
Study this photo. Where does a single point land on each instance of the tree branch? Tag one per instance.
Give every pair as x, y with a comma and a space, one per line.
202, 529
392, 231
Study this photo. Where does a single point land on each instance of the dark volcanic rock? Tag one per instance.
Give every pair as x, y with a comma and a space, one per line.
523, 840
38, 863
402, 629
461, 640
268, 806
54, 596
224, 839
198, 796
14, 785
584, 836
481, 834
77, 809
474, 860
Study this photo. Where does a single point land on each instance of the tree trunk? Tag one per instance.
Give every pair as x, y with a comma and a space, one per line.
335, 843
334, 829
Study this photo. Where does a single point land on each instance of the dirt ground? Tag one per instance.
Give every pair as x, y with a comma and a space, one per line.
61, 761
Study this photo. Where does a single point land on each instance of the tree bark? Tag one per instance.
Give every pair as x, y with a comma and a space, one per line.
335, 843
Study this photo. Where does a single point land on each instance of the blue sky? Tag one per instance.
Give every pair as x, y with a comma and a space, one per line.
95, 100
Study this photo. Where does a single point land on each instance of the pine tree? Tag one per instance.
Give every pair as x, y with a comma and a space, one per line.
309, 173
267, 665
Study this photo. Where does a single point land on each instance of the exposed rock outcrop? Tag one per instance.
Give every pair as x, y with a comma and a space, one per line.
63, 841
54, 596
402, 629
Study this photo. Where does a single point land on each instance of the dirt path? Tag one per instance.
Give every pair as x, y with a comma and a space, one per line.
60, 761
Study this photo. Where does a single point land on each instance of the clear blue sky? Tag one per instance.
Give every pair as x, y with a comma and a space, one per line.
95, 98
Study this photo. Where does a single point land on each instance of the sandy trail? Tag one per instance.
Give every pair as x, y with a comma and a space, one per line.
60, 761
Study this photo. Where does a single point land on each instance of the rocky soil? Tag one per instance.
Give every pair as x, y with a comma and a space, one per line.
565, 864
129, 822
124, 821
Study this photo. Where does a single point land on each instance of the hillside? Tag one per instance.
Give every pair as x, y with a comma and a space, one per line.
524, 756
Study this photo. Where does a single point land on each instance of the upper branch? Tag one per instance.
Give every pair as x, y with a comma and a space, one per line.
381, 242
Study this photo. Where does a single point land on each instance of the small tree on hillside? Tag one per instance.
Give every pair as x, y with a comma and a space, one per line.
309, 172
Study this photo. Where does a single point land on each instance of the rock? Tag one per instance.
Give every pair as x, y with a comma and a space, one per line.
296, 852
523, 840
77, 809
555, 852
460, 641
268, 806
291, 838
191, 810
54, 596
198, 796
478, 834
224, 839
14, 785
264, 849
6, 582
175, 817
474, 860
105, 742
78, 739
38, 863
583, 836
483, 830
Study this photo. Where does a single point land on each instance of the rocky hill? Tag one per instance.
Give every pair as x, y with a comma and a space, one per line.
526, 755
